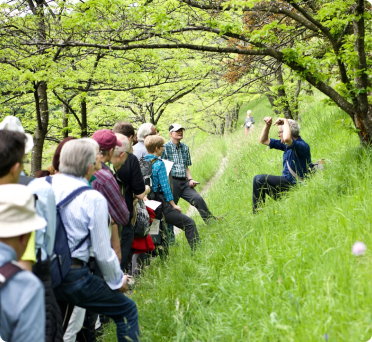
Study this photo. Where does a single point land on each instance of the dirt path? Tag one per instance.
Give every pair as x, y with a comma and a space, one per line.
192, 210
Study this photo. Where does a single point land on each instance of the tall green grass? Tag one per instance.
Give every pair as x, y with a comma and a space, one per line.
285, 274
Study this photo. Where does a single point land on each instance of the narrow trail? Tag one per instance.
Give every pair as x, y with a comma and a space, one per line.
192, 210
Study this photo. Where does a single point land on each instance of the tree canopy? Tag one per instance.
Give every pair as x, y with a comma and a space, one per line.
92, 61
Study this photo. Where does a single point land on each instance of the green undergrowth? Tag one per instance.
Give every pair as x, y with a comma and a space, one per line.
285, 274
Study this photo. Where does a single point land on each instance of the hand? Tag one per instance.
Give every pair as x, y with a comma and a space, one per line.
268, 120
177, 207
124, 288
147, 189
193, 184
145, 198
279, 122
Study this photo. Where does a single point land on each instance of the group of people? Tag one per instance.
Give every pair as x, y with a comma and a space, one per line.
89, 190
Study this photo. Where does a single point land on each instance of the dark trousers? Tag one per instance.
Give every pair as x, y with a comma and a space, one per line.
268, 185
53, 315
186, 223
81, 288
126, 241
181, 189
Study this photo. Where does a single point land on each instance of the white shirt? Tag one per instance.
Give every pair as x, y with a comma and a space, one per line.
88, 212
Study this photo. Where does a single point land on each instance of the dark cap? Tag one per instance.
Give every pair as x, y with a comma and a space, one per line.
106, 139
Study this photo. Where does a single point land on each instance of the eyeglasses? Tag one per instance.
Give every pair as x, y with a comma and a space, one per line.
280, 132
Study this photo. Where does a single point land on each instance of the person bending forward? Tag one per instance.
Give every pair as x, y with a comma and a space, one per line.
172, 212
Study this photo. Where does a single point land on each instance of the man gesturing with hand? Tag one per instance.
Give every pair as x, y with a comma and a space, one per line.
296, 160
183, 184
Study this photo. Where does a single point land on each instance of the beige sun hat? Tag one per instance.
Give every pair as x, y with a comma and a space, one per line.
17, 211
12, 123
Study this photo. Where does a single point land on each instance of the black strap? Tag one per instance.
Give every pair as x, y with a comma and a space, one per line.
81, 242
68, 199
8, 271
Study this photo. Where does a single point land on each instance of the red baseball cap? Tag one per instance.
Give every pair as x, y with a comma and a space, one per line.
106, 139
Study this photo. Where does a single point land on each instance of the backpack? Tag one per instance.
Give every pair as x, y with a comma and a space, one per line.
60, 261
8, 271
142, 225
319, 165
146, 169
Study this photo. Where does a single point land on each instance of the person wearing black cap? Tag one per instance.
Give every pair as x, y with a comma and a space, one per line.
183, 184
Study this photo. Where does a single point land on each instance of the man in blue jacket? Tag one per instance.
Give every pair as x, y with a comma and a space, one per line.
21, 292
296, 160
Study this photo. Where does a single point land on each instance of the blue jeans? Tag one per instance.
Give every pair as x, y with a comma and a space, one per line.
81, 288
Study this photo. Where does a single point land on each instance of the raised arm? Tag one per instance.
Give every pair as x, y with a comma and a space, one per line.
287, 136
264, 138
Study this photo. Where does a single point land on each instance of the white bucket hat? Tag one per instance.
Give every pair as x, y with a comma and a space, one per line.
17, 211
12, 123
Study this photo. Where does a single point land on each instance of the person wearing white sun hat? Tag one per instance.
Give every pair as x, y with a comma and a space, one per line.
12, 123
21, 293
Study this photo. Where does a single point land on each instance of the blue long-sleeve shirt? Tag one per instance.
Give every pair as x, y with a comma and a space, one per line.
46, 208
159, 177
298, 156
22, 304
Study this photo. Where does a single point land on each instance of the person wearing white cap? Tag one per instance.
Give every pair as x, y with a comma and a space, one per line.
248, 123
21, 293
183, 184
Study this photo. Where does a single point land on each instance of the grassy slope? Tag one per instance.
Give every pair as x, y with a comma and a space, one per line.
286, 274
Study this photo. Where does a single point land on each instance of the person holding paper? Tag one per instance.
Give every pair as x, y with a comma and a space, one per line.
160, 185
183, 184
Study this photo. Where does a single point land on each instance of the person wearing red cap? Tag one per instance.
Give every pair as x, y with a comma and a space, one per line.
106, 184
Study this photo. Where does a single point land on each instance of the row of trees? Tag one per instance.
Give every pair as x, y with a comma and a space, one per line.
78, 66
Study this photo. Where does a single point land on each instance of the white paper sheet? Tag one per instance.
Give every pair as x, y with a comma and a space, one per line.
152, 204
168, 165
154, 228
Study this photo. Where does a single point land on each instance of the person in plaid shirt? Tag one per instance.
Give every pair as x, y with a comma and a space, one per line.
183, 184
172, 212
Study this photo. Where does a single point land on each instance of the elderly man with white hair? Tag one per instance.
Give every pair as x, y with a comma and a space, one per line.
86, 222
296, 160
146, 129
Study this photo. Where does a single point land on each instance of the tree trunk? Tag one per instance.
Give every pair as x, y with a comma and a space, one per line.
42, 114
84, 123
363, 116
282, 96
295, 100
272, 102
65, 120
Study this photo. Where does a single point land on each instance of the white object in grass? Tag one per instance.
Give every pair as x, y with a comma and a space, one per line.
358, 248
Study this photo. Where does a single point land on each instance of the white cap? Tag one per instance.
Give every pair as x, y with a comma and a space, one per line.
17, 211
12, 123
249, 111
175, 127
